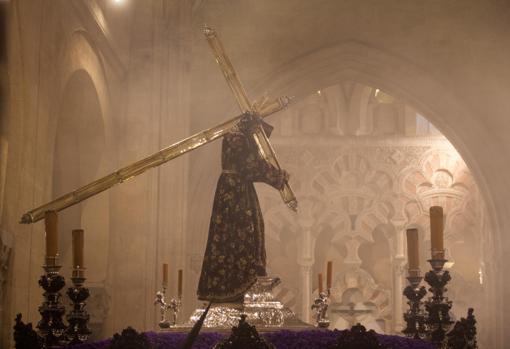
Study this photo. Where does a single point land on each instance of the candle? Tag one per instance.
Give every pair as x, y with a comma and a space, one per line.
329, 274
413, 255
320, 283
77, 248
165, 274
51, 228
436, 232
179, 283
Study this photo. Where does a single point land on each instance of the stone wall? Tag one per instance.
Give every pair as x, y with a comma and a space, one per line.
359, 190
446, 70
365, 167
93, 87
143, 76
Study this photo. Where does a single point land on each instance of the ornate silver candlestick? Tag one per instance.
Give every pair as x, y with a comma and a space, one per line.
174, 305
321, 304
51, 327
414, 317
438, 306
78, 331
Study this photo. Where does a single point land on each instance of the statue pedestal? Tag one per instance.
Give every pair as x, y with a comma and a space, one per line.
260, 306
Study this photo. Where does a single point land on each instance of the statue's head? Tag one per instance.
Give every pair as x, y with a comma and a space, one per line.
249, 121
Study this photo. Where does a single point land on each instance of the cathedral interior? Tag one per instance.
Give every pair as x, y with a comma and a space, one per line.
396, 106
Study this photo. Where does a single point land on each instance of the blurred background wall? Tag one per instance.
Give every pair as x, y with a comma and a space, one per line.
398, 105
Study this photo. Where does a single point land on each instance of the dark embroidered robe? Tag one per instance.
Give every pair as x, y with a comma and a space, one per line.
235, 253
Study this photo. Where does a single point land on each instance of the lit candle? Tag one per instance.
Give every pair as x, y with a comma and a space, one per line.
413, 255
179, 283
77, 248
436, 232
320, 283
51, 228
329, 277
165, 274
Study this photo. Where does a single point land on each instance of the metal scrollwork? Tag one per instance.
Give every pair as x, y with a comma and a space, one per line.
321, 305
51, 326
25, 336
358, 338
463, 334
78, 330
130, 339
174, 305
438, 306
414, 317
244, 336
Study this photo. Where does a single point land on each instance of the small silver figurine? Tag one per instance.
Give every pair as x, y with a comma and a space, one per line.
174, 305
320, 305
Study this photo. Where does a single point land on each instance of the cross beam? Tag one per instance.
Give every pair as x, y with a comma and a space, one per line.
264, 146
173, 151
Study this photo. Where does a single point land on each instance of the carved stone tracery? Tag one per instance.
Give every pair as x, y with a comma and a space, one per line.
351, 187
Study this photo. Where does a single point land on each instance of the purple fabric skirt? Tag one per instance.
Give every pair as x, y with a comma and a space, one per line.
313, 339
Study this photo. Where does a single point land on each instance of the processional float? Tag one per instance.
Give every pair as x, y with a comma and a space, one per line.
260, 306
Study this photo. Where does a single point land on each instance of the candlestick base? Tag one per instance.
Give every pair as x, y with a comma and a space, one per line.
438, 306
164, 324
174, 305
321, 305
78, 332
437, 264
414, 317
51, 326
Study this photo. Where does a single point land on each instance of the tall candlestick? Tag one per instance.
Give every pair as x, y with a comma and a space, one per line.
436, 232
320, 283
329, 278
78, 248
413, 254
51, 228
179, 283
165, 274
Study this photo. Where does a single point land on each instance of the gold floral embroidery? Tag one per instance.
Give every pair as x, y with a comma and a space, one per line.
235, 254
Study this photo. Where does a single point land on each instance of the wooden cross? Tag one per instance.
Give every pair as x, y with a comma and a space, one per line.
188, 144
261, 140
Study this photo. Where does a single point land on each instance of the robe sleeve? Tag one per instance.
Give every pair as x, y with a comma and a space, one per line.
250, 165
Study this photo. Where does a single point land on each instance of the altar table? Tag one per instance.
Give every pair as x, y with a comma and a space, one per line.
311, 339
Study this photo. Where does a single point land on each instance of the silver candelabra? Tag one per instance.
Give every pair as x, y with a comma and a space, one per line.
321, 305
174, 305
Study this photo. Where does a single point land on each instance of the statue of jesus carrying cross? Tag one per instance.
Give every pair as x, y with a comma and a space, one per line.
235, 253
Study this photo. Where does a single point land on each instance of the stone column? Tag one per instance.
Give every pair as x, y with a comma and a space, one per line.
172, 28
399, 261
148, 213
305, 261
305, 278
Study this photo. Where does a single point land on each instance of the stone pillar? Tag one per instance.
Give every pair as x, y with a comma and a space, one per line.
172, 27
305, 260
148, 213
398, 267
305, 280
